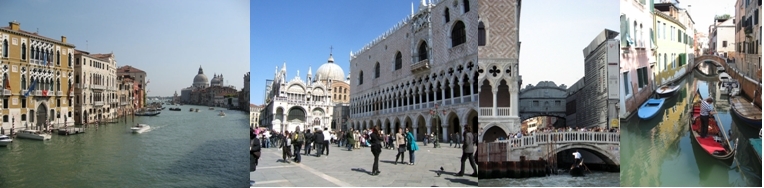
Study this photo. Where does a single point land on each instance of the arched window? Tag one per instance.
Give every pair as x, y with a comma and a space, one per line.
466, 6
376, 70
33, 53
58, 57
481, 34
398, 61
23, 82
360, 78
58, 84
422, 51
447, 15
5, 48
24, 51
458, 35
70, 59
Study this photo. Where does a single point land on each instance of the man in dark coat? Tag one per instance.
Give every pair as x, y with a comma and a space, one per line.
254, 152
319, 141
308, 141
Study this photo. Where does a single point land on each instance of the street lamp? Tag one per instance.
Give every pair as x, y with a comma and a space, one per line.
436, 117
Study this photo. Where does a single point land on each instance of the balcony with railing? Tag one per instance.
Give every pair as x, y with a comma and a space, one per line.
59, 93
98, 87
98, 103
420, 66
6, 92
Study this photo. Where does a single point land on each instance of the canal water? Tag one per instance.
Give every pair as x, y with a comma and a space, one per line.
659, 152
595, 179
182, 149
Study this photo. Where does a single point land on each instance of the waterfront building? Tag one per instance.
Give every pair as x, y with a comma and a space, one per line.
126, 95
422, 73
37, 73
701, 45
244, 94
722, 36
638, 49
219, 96
748, 37
305, 103
597, 94
139, 77
95, 84
674, 44
254, 115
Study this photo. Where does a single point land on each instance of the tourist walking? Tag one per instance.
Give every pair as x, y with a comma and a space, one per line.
468, 150
458, 139
319, 140
400, 145
327, 138
376, 149
286, 144
412, 146
706, 110
308, 141
299, 140
350, 140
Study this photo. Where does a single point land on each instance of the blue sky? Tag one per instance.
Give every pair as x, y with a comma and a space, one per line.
301, 34
555, 33
168, 39
703, 12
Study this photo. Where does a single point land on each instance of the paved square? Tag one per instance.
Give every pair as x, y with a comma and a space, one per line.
351, 169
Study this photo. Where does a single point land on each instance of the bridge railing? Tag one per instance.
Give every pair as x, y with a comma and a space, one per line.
564, 137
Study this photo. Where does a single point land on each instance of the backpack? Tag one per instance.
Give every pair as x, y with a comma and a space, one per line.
299, 137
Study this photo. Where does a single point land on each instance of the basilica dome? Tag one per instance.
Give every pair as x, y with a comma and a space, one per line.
200, 79
330, 70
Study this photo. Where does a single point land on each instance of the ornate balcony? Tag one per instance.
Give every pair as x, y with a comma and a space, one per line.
6, 92
420, 66
98, 87
59, 93
98, 103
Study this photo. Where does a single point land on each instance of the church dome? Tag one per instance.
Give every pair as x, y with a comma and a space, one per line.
330, 70
200, 79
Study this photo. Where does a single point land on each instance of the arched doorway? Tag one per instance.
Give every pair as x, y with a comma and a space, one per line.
421, 128
42, 115
295, 118
493, 134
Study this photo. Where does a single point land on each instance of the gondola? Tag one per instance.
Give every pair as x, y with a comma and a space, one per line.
716, 143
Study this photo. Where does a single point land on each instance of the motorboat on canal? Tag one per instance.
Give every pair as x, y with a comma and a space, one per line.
212, 108
666, 91
716, 143
33, 134
727, 85
5, 140
140, 128
174, 109
147, 113
221, 114
650, 108
745, 110
196, 110
191, 109
70, 131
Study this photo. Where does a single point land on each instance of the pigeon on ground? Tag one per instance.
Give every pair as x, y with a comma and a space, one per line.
441, 169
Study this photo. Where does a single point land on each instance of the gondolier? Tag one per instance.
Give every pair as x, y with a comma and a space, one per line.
706, 110
577, 156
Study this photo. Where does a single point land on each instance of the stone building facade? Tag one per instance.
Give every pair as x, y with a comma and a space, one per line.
140, 78
95, 87
36, 73
421, 74
126, 95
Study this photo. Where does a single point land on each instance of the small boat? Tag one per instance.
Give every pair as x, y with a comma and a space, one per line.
221, 114
650, 108
147, 113
720, 69
191, 109
666, 91
212, 108
70, 131
196, 110
5, 140
577, 170
727, 85
33, 134
174, 109
140, 128
746, 111
716, 142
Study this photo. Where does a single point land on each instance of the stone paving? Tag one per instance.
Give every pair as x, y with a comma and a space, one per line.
351, 169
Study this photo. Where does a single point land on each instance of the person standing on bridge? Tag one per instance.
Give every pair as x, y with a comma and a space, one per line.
706, 110
577, 156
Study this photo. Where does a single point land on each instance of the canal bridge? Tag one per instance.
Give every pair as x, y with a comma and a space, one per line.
544, 99
605, 145
748, 85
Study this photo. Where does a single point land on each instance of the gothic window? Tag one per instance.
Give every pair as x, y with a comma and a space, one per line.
360, 78
481, 34
58, 84
466, 6
23, 51
458, 35
422, 51
58, 57
446, 15
5, 48
376, 70
23, 82
398, 61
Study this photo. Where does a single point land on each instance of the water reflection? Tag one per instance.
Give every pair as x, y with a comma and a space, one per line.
660, 152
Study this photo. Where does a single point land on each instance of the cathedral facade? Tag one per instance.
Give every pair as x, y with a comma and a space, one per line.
307, 103
208, 92
421, 74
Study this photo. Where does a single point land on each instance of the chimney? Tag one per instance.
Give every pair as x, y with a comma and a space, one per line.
14, 25
63, 39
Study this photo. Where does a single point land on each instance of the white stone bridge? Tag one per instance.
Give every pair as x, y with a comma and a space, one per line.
605, 145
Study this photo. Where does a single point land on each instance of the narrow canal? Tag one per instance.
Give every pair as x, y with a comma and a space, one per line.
182, 149
659, 152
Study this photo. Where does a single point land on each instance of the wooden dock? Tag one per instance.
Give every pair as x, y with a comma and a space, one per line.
70, 130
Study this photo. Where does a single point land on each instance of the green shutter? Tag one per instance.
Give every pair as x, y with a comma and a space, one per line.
652, 39
624, 30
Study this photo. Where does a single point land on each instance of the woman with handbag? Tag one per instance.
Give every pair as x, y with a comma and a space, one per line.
412, 146
286, 144
400, 145
376, 149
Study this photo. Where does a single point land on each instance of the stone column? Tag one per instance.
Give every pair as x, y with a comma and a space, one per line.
494, 108
420, 99
427, 96
442, 95
513, 102
444, 134
452, 93
472, 91
461, 92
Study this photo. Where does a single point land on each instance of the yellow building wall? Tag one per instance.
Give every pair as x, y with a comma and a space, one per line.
665, 70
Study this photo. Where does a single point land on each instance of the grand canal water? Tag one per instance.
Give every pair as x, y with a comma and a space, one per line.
659, 152
595, 179
182, 149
